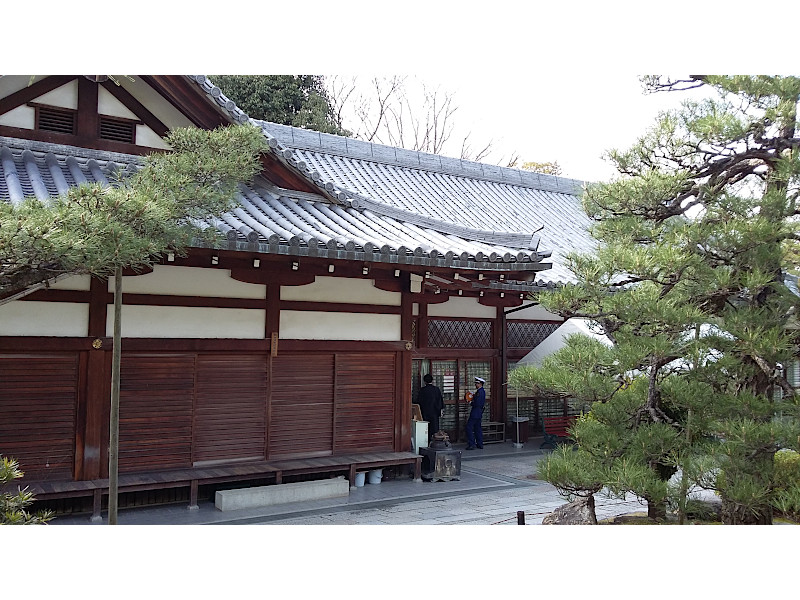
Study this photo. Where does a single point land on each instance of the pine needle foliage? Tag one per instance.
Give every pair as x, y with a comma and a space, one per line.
164, 206
695, 234
13, 506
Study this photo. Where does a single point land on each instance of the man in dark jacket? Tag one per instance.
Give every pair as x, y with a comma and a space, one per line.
431, 404
474, 431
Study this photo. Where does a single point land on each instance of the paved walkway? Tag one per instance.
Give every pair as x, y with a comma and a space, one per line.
495, 483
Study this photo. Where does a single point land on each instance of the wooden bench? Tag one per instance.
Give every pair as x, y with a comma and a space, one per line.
555, 429
347, 464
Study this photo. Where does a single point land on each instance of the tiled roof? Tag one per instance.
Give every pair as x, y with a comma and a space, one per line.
484, 197
278, 221
460, 192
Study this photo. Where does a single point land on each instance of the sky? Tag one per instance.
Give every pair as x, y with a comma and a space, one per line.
553, 118
547, 81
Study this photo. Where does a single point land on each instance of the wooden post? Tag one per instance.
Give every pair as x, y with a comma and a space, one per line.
520, 517
113, 430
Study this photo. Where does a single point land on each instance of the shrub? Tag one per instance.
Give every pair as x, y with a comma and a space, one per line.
12, 506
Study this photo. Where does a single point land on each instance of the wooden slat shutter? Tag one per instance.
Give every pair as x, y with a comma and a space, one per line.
230, 408
301, 421
156, 398
38, 400
365, 393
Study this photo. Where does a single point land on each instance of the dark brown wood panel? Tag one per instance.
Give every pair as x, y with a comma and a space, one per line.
38, 404
230, 408
156, 399
365, 395
301, 409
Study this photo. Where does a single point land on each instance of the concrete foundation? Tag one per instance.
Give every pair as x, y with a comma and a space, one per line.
280, 494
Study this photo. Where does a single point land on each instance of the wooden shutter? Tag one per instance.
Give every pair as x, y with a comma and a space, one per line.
38, 400
156, 397
301, 422
365, 393
230, 408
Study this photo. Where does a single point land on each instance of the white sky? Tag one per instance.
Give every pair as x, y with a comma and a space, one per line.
548, 81
552, 118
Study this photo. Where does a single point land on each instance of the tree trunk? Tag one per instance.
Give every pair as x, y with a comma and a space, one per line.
657, 510
735, 514
113, 437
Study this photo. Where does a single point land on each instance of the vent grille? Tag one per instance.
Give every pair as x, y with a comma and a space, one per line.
459, 334
118, 131
59, 120
522, 334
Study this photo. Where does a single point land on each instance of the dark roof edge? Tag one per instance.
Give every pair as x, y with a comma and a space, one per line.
306, 139
393, 258
67, 150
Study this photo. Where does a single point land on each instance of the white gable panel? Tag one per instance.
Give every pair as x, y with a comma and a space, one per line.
65, 96
188, 322
155, 103
110, 106
56, 319
14, 83
22, 116
147, 137
314, 325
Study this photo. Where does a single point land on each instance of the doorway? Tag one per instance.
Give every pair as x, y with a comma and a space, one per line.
454, 378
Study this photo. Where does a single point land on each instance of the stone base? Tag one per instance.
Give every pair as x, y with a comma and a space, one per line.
579, 512
282, 493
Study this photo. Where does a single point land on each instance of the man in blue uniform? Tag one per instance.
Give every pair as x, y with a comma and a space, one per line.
474, 431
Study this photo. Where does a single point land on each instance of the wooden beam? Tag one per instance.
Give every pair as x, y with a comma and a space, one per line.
189, 99
136, 107
26, 94
88, 128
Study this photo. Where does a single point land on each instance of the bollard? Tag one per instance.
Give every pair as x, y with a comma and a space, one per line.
520, 517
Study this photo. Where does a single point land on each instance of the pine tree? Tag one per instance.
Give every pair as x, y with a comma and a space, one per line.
688, 281
93, 230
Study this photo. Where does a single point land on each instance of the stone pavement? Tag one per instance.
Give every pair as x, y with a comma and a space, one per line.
495, 483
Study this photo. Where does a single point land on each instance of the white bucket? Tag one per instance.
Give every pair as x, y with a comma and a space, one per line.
375, 476
360, 479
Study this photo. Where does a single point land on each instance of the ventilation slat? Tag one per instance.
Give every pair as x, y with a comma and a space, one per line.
56, 120
118, 131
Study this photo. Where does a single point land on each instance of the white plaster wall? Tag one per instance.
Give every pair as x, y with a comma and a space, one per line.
341, 289
57, 319
189, 281
188, 322
462, 307
313, 325
22, 116
147, 137
78, 282
14, 83
65, 96
534, 313
110, 106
